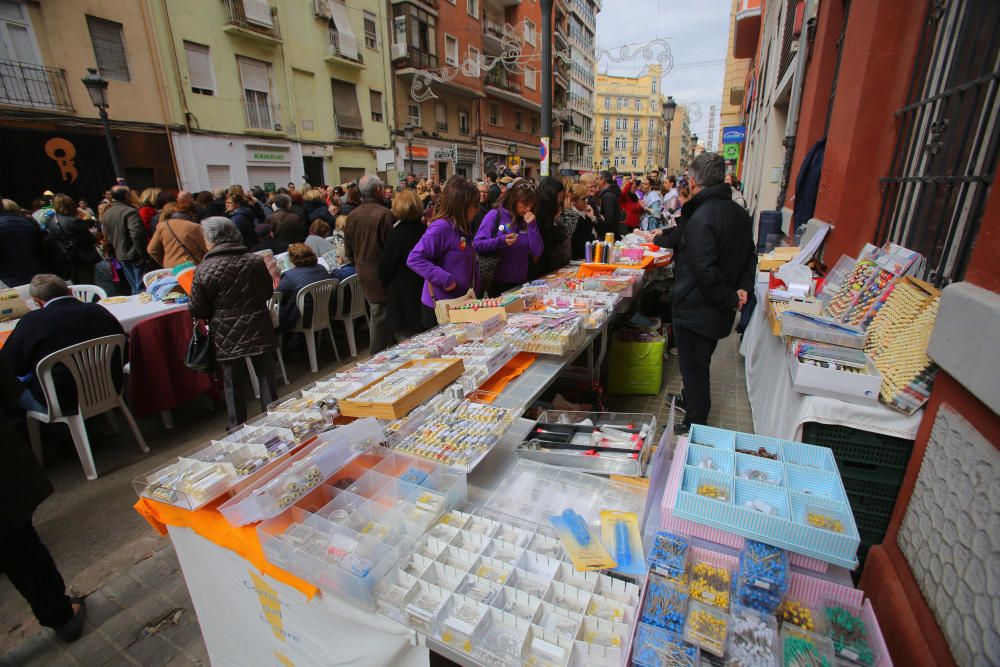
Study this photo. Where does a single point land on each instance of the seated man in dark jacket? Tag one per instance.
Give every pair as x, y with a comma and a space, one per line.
60, 321
715, 267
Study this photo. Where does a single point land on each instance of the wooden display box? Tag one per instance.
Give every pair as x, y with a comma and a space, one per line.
774, 310
777, 257
404, 405
483, 314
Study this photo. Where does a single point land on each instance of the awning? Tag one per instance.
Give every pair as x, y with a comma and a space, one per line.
346, 40
345, 105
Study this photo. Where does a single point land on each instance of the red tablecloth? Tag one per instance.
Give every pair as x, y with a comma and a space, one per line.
158, 379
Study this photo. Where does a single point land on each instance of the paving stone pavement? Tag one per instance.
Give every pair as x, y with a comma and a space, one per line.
140, 616
143, 615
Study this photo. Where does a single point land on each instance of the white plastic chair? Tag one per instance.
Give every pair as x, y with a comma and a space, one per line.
273, 306
90, 365
86, 293
155, 275
320, 292
356, 312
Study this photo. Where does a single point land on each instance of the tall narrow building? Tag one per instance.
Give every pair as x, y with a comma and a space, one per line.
578, 131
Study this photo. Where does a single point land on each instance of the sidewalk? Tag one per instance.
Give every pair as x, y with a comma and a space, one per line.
139, 611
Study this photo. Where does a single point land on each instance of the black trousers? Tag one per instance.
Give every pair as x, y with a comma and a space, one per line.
428, 317
29, 566
236, 379
695, 359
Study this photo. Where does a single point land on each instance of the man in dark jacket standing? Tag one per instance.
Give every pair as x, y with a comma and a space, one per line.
20, 248
367, 229
715, 269
611, 212
124, 230
287, 226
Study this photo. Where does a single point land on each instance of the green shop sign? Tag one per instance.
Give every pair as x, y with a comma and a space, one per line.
268, 157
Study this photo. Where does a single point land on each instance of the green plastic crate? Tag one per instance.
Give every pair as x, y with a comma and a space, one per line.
879, 476
871, 524
860, 447
881, 507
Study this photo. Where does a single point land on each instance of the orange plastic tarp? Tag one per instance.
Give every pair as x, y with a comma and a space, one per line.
511, 371
588, 270
211, 525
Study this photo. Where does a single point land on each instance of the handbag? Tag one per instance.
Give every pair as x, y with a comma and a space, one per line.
200, 356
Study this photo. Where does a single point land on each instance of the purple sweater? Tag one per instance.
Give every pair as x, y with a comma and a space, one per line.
513, 265
442, 255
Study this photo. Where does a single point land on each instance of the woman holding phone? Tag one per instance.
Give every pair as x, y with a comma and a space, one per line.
511, 232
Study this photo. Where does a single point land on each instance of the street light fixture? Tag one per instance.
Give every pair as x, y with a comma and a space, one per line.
97, 88
669, 109
408, 131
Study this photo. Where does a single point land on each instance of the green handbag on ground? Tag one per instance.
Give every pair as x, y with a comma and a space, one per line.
635, 367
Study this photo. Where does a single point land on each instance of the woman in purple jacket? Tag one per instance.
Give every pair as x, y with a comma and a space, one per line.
510, 231
444, 257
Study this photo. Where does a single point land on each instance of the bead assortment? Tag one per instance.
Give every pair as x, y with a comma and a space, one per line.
849, 634
457, 432
666, 604
707, 627
401, 382
710, 584
543, 333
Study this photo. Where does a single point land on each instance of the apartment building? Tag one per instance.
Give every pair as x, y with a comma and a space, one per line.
677, 141
734, 79
49, 127
267, 92
578, 133
631, 127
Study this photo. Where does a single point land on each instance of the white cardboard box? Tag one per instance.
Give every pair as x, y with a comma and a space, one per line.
831, 383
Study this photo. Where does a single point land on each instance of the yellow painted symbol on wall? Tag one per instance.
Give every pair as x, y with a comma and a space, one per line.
270, 604
284, 659
62, 151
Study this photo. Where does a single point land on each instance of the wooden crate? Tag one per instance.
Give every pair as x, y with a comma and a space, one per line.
774, 310
483, 314
403, 406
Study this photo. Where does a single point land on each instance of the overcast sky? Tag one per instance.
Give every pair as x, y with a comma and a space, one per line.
698, 34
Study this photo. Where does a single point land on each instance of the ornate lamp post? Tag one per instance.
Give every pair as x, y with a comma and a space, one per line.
669, 109
97, 87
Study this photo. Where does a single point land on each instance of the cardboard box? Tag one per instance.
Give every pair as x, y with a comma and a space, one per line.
831, 383
808, 304
483, 314
12, 306
403, 406
774, 259
773, 311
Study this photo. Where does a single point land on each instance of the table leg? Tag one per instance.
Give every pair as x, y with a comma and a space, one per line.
168, 419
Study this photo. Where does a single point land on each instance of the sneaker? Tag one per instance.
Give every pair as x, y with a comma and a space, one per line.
73, 628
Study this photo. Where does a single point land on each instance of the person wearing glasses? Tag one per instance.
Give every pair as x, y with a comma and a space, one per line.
443, 256
510, 232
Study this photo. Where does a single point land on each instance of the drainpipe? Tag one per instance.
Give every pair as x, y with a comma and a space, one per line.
794, 105
164, 102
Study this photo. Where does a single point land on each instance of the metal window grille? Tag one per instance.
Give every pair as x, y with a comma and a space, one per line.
947, 146
787, 37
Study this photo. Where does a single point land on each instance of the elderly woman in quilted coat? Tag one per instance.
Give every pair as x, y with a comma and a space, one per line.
231, 289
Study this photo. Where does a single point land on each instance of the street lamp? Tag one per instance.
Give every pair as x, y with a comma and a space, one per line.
694, 146
97, 88
669, 109
408, 133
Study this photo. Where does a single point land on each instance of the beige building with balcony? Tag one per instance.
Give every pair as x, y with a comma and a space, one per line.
267, 92
630, 129
49, 126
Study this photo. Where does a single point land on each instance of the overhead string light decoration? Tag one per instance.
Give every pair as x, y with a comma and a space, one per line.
655, 51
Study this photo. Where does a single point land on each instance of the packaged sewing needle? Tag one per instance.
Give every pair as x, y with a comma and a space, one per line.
621, 537
582, 545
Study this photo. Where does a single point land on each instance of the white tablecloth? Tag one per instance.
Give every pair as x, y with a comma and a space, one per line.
133, 311
780, 411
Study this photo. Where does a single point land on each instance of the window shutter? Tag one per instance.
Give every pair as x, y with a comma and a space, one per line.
199, 66
254, 76
345, 105
347, 40
109, 48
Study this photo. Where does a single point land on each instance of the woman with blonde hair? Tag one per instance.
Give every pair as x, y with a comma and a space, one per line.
402, 285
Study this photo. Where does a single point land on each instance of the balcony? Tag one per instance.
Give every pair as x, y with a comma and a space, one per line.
582, 136
415, 58
492, 36
503, 81
746, 32
335, 55
254, 19
503, 3
260, 114
561, 40
349, 134
636, 133
33, 86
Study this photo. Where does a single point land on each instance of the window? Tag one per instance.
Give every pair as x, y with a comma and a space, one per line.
474, 58
472, 7
635, 125
652, 105
255, 76
635, 145
347, 112
451, 50
371, 31
199, 69
654, 86
649, 146
518, 120
635, 162
607, 102
604, 146
607, 124
534, 125
463, 121
109, 48
651, 124
496, 118
376, 99
529, 78
638, 104
441, 116
529, 32
413, 111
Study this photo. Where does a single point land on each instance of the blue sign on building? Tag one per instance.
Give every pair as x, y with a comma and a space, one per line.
734, 134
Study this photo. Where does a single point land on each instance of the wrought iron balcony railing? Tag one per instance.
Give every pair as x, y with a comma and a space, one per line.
33, 86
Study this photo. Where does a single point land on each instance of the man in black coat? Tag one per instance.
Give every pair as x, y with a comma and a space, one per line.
716, 263
20, 248
611, 212
60, 321
23, 558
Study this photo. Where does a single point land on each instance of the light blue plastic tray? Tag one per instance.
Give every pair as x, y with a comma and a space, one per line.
806, 479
